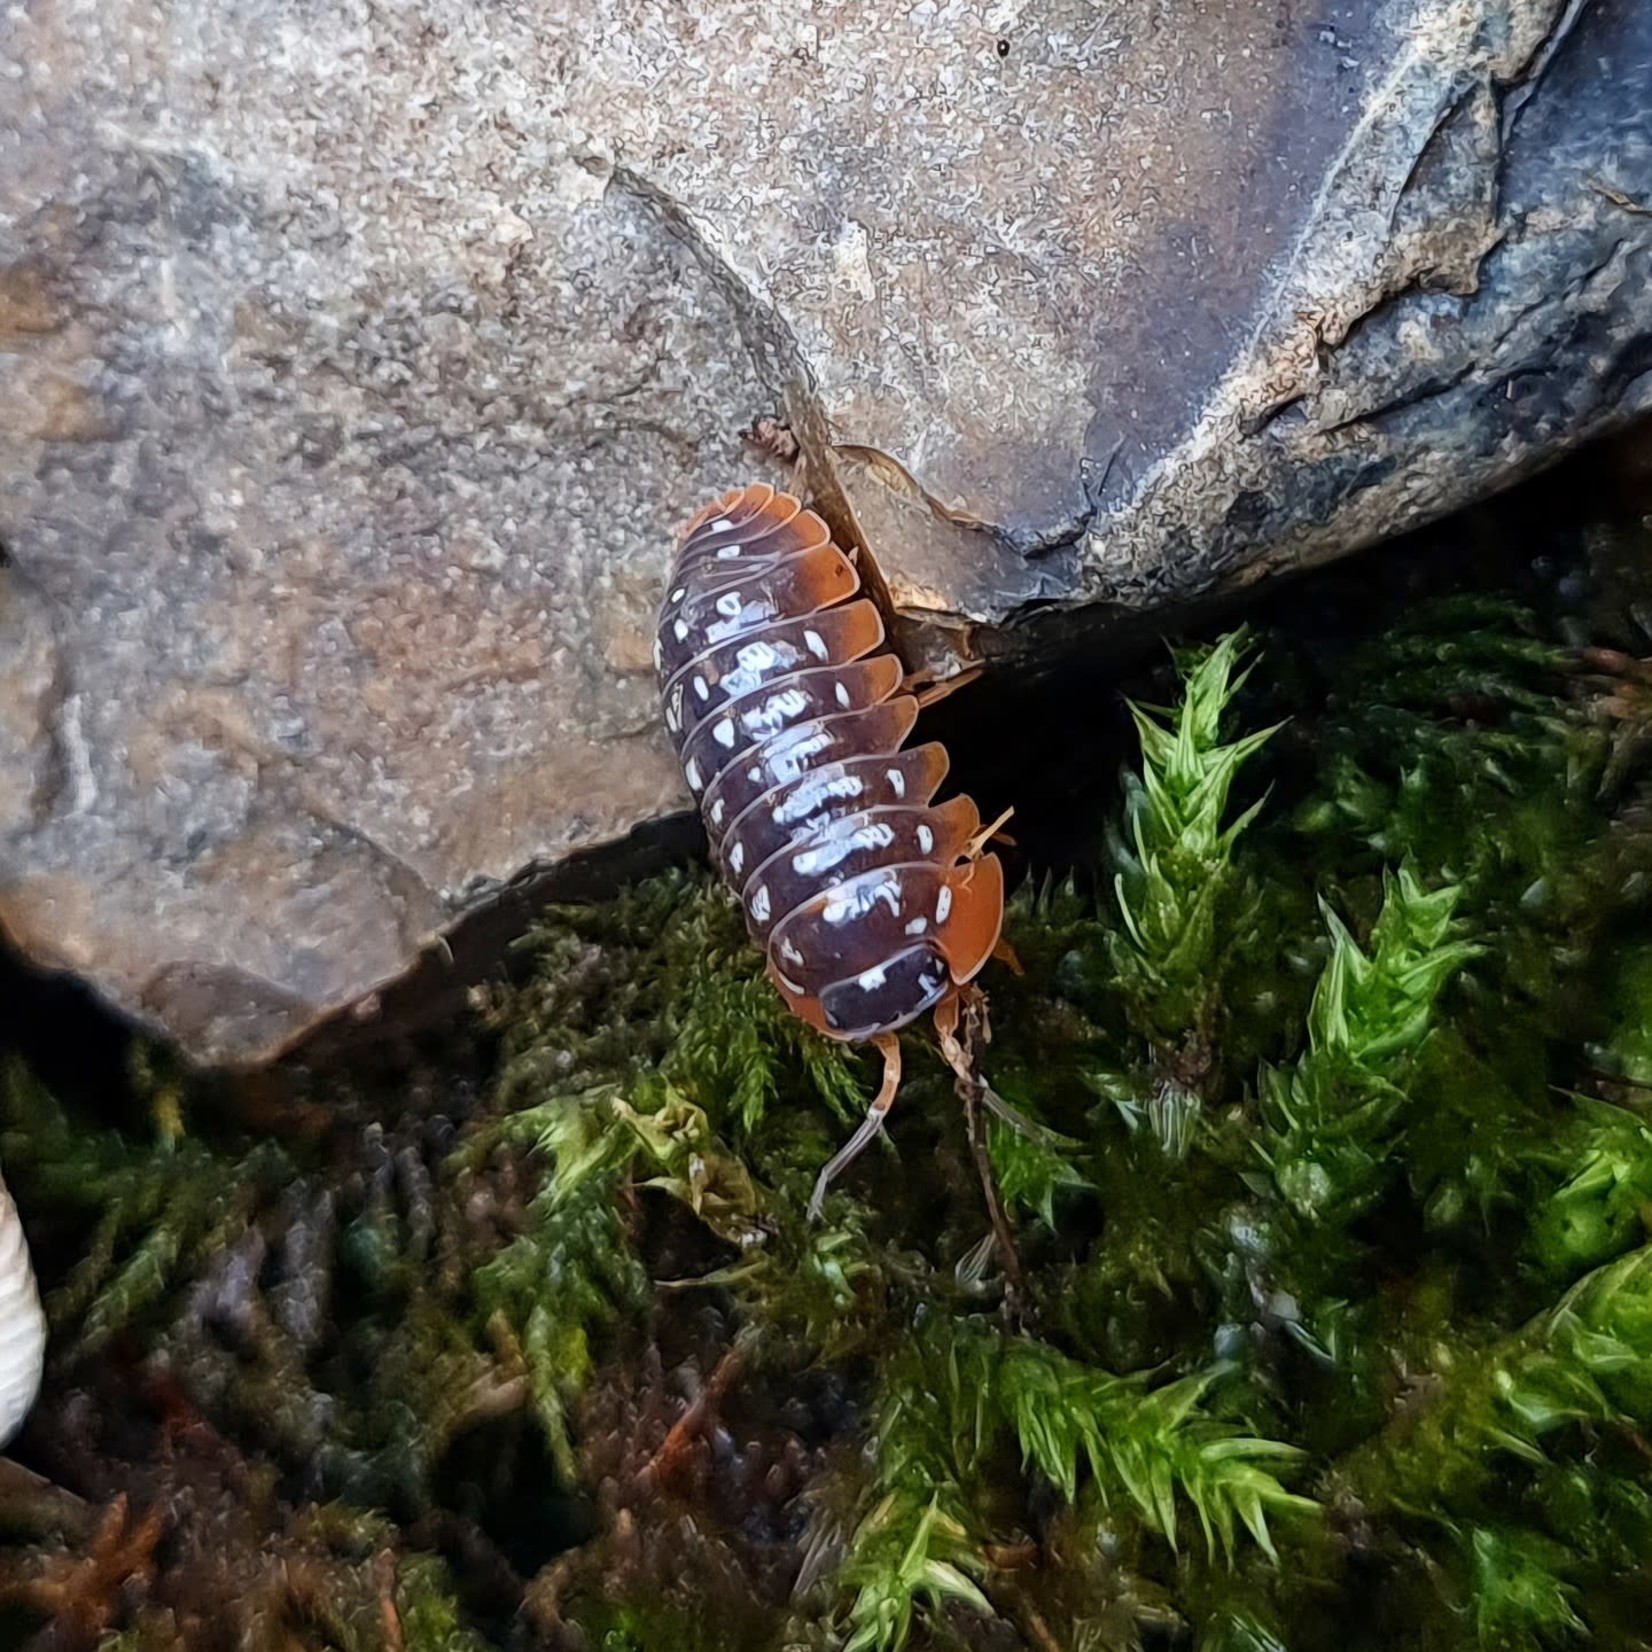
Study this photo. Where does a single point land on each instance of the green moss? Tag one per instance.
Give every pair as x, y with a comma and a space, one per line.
1183, 905
428, 1614
962, 1403
1334, 1231
148, 1215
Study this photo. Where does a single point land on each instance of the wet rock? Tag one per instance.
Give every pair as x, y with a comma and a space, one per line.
356, 366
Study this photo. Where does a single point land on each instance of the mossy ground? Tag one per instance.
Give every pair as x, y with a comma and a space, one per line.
1335, 1323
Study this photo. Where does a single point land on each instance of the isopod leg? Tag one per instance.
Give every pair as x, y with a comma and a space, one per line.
946, 1030
970, 1003
923, 686
890, 1048
958, 1057
994, 833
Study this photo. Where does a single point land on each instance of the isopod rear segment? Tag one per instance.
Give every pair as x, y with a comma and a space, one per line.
873, 904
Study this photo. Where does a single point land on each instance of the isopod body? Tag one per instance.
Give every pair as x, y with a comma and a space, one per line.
873, 904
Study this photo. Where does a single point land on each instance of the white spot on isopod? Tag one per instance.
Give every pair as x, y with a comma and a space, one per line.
789, 952
680, 630
840, 908
842, 695
717, 813
815, 643
780, 707
871, 979
723, 731
926, 839
737, 857
917, 926
897, 782
760, 903
701, 691
758, 657
943, 903
679, 593
728, 605
692, 771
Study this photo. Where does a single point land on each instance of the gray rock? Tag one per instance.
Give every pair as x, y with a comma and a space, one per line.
357, 364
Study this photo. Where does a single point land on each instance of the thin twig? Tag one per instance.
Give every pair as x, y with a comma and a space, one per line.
1619, 199
1007, 1257
390, 1621
958, 1053
668, 1462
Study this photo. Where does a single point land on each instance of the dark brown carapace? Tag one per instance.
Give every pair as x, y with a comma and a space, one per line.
872, 903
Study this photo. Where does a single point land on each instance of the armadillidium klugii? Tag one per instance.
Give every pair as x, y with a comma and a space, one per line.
873, 904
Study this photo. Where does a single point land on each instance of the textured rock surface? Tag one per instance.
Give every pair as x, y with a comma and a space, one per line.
356, 363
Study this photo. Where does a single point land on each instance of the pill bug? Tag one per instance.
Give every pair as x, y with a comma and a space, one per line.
873, 904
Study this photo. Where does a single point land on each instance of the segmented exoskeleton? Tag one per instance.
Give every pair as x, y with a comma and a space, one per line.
872, 903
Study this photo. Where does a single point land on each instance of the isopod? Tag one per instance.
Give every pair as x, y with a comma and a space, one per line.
872, 903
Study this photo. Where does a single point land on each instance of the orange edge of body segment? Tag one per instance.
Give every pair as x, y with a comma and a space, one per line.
972, 928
